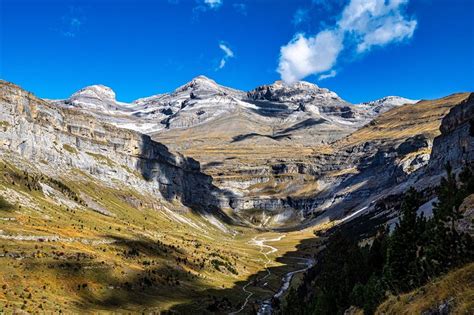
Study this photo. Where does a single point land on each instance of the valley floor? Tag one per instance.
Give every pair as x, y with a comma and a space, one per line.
139, 255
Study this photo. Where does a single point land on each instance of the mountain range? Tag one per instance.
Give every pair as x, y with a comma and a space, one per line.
202, 101
150, 190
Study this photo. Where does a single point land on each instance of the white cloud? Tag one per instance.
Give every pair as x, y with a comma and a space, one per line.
213, 4
304, 56
363, 24
376, 22
392, 30
228, 53
330, 74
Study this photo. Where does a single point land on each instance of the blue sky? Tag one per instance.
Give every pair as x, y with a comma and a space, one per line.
416, 49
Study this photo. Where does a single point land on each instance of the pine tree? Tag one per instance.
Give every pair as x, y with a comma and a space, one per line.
448, 246
343, 265
378, 252
294, 303
466, 177
403, 267
450, 198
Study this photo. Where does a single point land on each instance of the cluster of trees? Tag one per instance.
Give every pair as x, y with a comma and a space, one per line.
418, 250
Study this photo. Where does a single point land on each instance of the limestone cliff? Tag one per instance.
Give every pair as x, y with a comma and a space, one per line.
62, 140
456, 142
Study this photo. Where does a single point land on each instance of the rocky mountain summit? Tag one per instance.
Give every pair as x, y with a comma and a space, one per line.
94, 98
196, 102
299, 92
307, 97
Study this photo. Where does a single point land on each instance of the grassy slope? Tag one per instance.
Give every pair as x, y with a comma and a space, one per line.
405, 121
456, 288
139, 256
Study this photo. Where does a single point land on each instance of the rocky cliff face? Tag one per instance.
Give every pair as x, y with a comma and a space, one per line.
307, 97
300, 92
455, 145
64, 140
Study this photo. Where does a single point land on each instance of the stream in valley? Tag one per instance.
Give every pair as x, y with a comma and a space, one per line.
265, 307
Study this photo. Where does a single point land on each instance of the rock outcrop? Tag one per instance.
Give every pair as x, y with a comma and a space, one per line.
455, 145
298, 93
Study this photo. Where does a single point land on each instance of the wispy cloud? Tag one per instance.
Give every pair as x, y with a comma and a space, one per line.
300, 16
240, 8
363, 24
206, 5
330, 74
213, 4
72, 22
228, 53
327, 5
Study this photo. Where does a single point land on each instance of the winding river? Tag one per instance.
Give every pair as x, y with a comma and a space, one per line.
266, 306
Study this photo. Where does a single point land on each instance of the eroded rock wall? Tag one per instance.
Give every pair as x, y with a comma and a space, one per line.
63, 139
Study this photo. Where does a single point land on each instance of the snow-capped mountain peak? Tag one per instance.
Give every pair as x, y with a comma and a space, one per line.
95, 98
98, 91
203, 100
199, 82
202, 86
391, 100
385, 103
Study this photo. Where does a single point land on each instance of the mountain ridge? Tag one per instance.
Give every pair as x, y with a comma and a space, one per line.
252, 93
300, 92
276, 107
